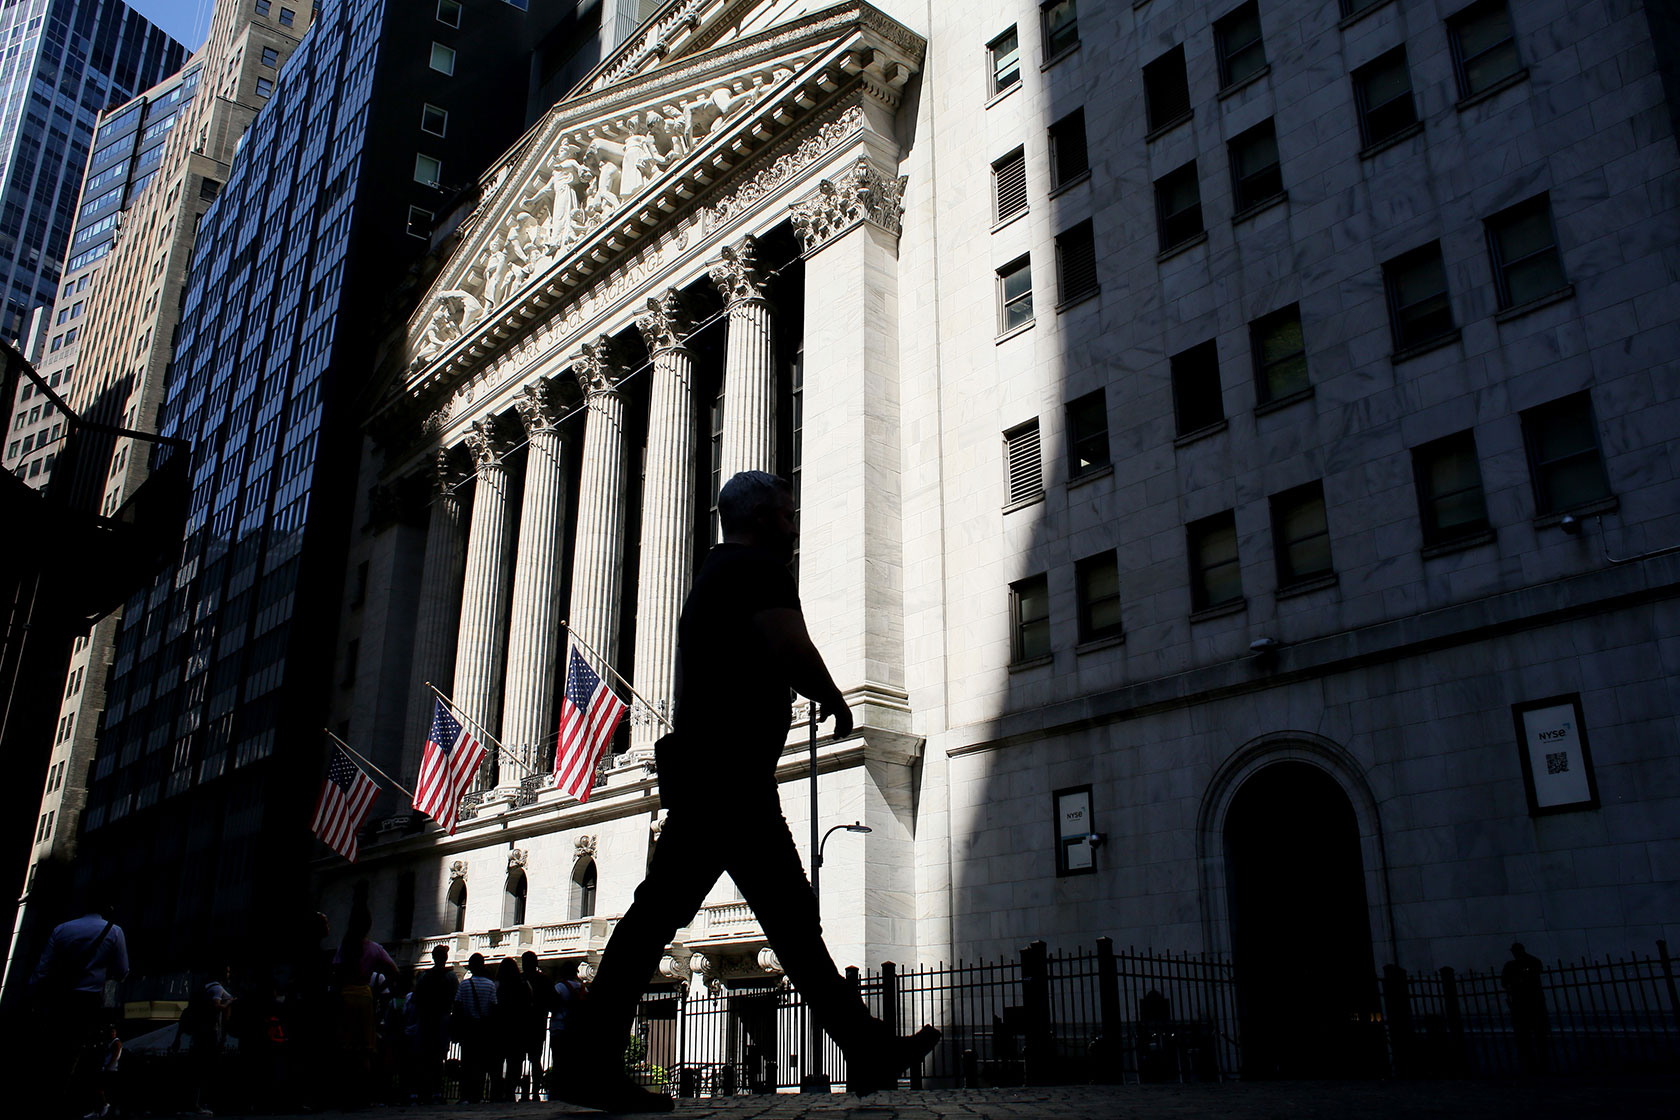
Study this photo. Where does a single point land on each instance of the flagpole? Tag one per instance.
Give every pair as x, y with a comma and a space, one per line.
501, 750
356, 754
616, 675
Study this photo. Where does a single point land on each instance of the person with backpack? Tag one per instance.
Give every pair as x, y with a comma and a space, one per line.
471, 1025
68, 992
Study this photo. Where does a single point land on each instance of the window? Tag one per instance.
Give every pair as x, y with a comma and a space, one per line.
513, 905
1029, 610
449, 11
1166, 90
1076, 263
1025, 470
1009, 185
434, 120
1563, 456
1061, 27
1525, 255
458, 902
1419, 307
1097, 581
1484, 50
1069, 157
1255, 174
1215, 575
12, 450
585, 882
270, 56
443, 58
1449, 489
262, 7
1382, 90
264, 87
1242, 53
428, 170
1280, 354
1197, 402
1300, 534
1014, 295
419, 222
1005, 54
287, 17
1087, 420
1178, 206
1351, 6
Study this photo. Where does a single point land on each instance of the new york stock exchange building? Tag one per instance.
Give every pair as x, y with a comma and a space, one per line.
1182, 595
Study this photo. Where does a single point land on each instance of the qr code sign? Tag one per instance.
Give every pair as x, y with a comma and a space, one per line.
1557, 763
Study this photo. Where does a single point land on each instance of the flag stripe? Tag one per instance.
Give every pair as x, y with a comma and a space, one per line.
589, 714
447, 768
347, 795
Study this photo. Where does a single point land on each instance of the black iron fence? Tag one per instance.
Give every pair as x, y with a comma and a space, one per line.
1616, 1015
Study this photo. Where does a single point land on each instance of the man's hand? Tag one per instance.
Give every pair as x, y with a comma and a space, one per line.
842, 716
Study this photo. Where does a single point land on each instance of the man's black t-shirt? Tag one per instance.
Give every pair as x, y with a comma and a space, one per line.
732, 697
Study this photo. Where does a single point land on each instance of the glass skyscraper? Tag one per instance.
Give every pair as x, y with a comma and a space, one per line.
61, 63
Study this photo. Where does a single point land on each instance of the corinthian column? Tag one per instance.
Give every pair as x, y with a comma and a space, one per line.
598, 557
482, 637
749, 363
667, 512
440, 607
534, 627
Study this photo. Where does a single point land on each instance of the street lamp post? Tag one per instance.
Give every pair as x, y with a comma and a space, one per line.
815, 1080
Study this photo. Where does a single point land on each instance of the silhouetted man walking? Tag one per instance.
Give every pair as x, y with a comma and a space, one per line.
741, 645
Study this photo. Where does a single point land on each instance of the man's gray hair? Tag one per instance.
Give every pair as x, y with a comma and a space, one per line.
747, 493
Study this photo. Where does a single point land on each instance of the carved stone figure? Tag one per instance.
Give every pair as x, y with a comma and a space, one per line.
556, 194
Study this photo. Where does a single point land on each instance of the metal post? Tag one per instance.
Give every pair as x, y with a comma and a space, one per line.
1035, 994
1668, 979
815, 1079
1110, 1055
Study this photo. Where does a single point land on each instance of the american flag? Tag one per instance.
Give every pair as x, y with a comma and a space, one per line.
346, 797
589, 714
447, 768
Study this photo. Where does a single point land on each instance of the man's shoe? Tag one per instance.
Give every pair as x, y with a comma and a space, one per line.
610, 1094
877, 1071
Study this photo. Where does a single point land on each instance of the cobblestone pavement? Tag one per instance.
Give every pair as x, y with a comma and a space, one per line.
1627, 1098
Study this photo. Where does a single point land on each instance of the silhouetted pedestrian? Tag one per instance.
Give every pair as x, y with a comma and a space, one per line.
565, 994
204, 1024
1521, 979
358, 959
742, 644
67, 989
536, 1030
511, 1021
434, 995
471, 1023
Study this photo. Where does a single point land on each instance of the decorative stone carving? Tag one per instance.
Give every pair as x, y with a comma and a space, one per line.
657, 825
586, 971
596, 367
704, 965
667, 324
808, 148
673, 969
487, 442
739, 276
585, 847
769, 962
529, 787
516, 859
861, 194
539, 405
447, 473
457, 870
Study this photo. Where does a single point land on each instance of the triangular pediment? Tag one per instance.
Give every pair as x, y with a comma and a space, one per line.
609, 166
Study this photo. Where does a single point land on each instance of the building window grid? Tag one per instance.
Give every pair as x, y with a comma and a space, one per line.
1565, 462
1097, 586
1004, 53
1256, 174
1420, 305
1484, 48
1029, 609
1300, 535
1280, 354
1178, 205
1240, 48
1015, 308
1383, 94
1451, 502
1215, 571
1523, 244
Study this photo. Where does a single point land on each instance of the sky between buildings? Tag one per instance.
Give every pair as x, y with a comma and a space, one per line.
187, 20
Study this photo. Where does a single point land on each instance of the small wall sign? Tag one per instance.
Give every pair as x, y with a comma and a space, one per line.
1556, 761
1075, 851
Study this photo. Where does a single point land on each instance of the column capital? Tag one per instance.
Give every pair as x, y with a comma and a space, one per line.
861, 194
446, 472
667, 324
540, 406
488, 443
597, 368
738, 276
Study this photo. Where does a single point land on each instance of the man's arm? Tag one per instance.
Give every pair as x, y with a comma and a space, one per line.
783, 630
44, 966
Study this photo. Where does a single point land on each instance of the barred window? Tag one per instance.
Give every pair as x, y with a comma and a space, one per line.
1023, 465
1009, 185
1076, 262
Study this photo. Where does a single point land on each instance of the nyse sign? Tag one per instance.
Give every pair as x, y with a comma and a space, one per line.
1556, 758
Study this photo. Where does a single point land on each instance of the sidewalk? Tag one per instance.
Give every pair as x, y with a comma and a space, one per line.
1630, 1098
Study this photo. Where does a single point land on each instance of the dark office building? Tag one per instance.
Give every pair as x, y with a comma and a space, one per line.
211, 742
61, 63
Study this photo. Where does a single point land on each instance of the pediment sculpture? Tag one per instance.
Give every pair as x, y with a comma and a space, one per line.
586, 175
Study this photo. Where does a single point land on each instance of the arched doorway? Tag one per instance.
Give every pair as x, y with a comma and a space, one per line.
1300, 927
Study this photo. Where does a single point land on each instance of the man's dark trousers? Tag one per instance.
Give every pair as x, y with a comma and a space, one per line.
745, 835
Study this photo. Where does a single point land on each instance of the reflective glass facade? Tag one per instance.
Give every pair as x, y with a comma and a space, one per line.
61, 63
